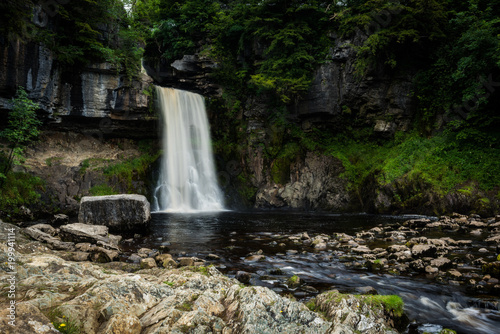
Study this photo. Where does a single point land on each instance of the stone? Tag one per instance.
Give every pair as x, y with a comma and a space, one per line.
28, 319
148, 263
81, 233
118, 212
60, 219
52, 242
243, 276
46, 228
419, 251
166, 261
186, 261
123, 324
441, 263
454, 274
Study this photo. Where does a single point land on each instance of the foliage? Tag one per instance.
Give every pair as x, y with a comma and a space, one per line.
20, 189
61, 323
102, 190
15, 17
22, 129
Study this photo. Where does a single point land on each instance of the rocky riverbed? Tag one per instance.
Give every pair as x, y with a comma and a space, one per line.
54, 294
82, 276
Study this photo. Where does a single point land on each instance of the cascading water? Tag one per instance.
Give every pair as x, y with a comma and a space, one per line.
187, 181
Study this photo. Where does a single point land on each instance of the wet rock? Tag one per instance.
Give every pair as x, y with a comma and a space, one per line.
417, 265
60, 219
294, 282
397, 248
492, 268
454, 274
118, 212
255, 258
419, 251
366, 290
441, 263
243, 276
431, 270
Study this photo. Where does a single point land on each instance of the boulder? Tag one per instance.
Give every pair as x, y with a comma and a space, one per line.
118, 212
84, 233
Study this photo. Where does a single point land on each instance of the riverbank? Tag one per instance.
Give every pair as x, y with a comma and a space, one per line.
54, 295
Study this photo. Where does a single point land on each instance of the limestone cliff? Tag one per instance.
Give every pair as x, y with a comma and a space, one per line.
94, 99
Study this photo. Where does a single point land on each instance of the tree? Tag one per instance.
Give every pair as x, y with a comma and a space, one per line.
21, 130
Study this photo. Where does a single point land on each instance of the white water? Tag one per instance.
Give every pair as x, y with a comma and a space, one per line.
187, 181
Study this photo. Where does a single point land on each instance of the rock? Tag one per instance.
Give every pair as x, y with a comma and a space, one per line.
103, 255
148, 263
431, 270
243, 276
294, 282
166, 261
186, 261
358, 314
441, 263
81, 233
78, 256
123, 324
28, 319
46, 228
146, 252
419, 251
397, 248
60, 219
454, 274
366, 290
118, 212
361, 249
52, 242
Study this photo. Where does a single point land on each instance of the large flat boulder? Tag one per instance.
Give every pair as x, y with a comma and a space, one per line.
118, 212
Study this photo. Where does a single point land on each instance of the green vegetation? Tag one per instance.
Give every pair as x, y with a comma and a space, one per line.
22, 129
16, 188
61, 322
391, 304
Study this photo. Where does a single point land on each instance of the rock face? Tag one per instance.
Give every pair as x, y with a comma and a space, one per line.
314, 183
95, 99
118, 212
382, 101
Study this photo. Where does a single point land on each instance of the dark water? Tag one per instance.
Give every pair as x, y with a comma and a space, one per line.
231, 236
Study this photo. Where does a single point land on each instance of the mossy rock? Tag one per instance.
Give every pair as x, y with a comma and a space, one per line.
492, 268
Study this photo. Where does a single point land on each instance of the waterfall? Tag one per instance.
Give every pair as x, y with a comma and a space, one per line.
187, 181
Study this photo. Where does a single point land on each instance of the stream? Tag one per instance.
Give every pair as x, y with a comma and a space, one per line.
229, 239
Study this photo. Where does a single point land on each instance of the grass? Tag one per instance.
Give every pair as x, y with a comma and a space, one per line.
20, 189
61, 323
391, 304
102, 190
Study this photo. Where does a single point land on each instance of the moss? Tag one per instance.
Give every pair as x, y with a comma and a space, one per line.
492, 268
102, 190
